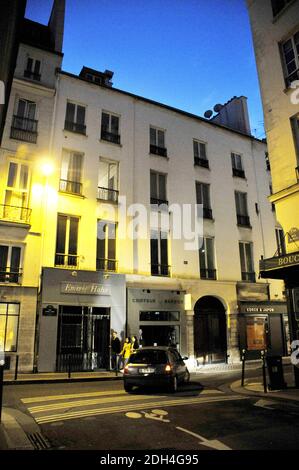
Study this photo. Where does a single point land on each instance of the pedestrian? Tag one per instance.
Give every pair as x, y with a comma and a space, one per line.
126, 351
135, 344
115, 350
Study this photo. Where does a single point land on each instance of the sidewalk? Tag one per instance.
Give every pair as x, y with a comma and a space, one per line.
59, 377
254, 386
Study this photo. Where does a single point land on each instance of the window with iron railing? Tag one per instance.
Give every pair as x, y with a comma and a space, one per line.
203, 198
10, 261
75, 118
108, 181
32, 70
71, 172
110, 128
243, 218
106, 246
158, 189
15, 207
237, 165
246, 260
159, 254
200, 154
207, 259
24, 124
66, 254
157, 142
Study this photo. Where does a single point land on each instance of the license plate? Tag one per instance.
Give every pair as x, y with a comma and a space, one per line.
149, 370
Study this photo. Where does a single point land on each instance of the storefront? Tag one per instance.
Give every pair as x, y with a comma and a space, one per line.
264, 326
78, 310
157, 317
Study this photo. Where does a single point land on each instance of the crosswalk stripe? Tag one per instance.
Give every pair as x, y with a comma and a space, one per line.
139, 406
76, 404
70, 396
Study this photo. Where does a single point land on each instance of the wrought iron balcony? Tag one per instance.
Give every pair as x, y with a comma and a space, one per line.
243, 220
104, 264
75, 127
160, 270
207, 213
15, 214
248, 277
238, 173
158, 202
204, 162
63, 260
72, 187
155, 150
110, 136
208, 274
10, 275
32, 75
106, 194
24, 129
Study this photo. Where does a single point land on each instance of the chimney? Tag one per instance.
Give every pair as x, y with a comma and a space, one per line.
234, 114
56, 23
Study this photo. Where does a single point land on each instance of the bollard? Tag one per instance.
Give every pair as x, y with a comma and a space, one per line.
69, 367
243, 367
16, 367
1, 387
264, 371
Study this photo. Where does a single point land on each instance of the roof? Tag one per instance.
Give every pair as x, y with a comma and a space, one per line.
164, 106
38, 35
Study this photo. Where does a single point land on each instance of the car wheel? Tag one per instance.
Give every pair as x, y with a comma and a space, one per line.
174, 385
187, 377
128, 388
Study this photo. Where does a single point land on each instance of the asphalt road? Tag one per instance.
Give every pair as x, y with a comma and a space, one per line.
203, 415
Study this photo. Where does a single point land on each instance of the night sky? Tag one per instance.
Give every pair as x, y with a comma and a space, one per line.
190, 54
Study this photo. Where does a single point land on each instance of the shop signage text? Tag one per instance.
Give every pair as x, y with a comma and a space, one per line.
280, 261
153, 301
84, 288
263, 307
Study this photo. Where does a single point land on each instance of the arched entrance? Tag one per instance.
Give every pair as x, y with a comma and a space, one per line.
210, 342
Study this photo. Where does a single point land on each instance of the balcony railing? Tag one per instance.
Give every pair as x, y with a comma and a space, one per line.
110, 136
243, 220
66, 261
15, 214
24, 129
207, 213
32, 75
292, 78
238, 173
155, 150
72, 187
248, 277
75, 127
10, 275
104, 264
204, 162
208, 274
106, 194
158, 202
160, 270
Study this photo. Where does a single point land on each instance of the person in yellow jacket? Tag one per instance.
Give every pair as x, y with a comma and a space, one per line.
126, 351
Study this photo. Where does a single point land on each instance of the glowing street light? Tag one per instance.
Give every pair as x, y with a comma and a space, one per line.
47, 168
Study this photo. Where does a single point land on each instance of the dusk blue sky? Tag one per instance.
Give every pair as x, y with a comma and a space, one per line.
190, 54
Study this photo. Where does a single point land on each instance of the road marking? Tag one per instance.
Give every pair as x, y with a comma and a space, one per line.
265, 404
131, 407
72, 395
213, 444
133, 415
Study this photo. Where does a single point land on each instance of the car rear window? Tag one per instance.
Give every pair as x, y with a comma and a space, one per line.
149, 357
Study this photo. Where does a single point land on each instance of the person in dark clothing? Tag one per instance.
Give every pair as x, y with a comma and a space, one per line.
115, 350
135, 344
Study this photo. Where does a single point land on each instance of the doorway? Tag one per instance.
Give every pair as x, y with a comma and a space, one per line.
210, 343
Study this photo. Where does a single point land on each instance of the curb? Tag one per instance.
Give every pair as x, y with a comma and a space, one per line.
14, 435
236, 388
55, 381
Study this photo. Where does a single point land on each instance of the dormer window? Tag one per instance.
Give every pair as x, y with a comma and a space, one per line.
32, 70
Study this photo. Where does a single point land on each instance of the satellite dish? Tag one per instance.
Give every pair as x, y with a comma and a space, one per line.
218, 107
208, 114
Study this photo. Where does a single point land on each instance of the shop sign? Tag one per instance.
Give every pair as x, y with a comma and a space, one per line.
49, 311
84, 288
293, 235
253, 292
263, 308
285, 261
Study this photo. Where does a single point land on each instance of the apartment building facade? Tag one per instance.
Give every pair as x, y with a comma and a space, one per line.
275, 28
96, 152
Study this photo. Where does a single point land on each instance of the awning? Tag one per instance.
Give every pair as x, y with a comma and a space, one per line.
280, 267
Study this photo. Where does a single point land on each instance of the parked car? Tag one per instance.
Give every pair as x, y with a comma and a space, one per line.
155, 366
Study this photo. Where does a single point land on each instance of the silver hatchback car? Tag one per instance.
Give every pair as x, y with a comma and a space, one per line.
155, 366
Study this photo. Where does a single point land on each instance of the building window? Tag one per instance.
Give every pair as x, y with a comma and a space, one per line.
32, 70
158, 188
280, 240
9, 326
67, 241
203, 197
237, 165
207, 259
75, 118
279, 5
246, 258
16, 197
200, 154
10, 261
108, 181
290, 52
71, 172
268, 167
159, 254
157, 142
242, 209
24, 124
106, 246
110, 128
